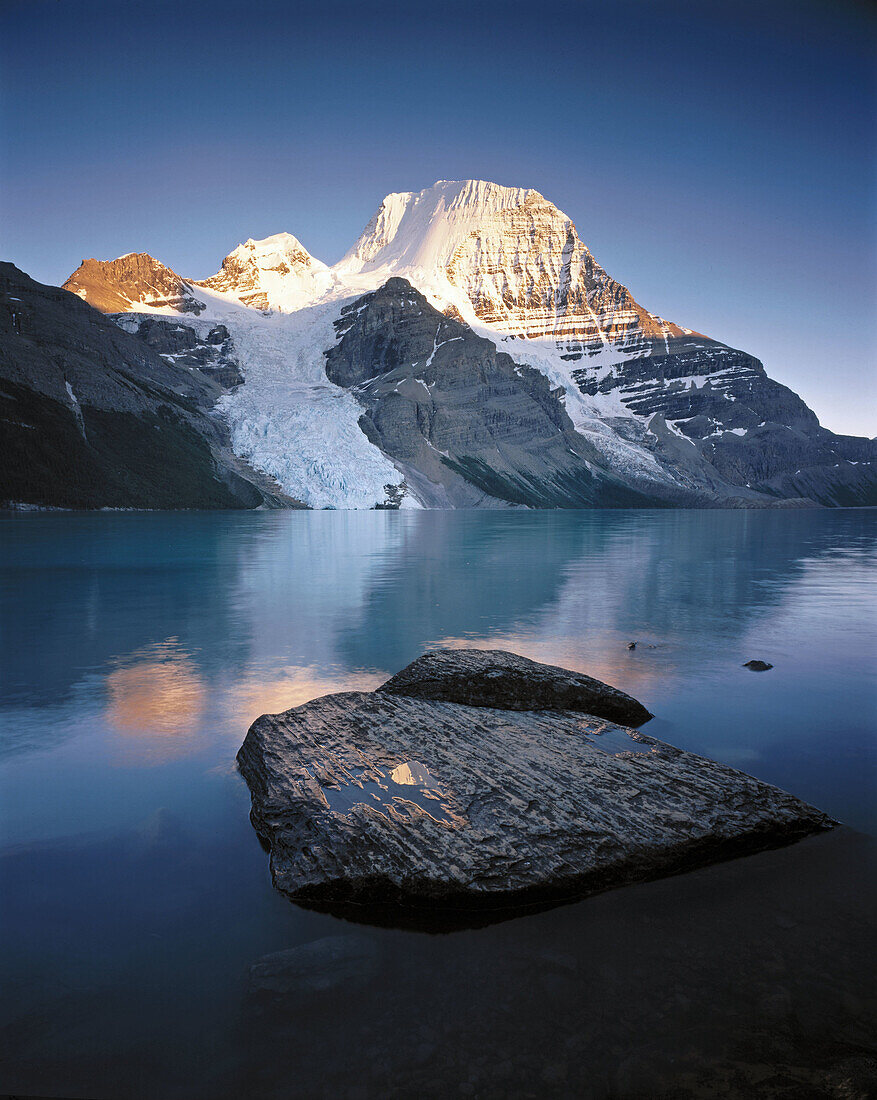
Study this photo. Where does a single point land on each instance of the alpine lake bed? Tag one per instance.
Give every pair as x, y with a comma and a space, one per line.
137, 913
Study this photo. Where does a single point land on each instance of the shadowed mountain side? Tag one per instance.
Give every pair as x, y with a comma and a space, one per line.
715, 408
447, 405
208, 349
91, 417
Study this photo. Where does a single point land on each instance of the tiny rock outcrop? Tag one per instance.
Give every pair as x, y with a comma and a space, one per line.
391, 808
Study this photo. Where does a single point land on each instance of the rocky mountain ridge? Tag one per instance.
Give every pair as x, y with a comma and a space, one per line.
136, 279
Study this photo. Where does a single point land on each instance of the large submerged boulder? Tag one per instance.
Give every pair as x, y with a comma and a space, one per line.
389, 808
495, 678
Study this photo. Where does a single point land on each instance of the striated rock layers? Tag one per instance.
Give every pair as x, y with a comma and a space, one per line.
525, 270
114, 286
494, 678
398, 809
518, 260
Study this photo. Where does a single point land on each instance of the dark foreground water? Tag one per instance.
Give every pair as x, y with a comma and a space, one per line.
135, 651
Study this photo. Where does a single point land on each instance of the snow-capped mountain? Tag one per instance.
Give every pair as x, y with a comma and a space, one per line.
352, 374
515, 259
275, 273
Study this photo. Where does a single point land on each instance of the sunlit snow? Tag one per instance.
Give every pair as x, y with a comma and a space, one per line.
291, 422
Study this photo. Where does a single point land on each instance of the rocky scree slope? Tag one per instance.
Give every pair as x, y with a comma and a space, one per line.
92, 417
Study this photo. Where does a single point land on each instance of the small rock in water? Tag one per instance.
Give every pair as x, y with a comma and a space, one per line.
631, 645
757, 666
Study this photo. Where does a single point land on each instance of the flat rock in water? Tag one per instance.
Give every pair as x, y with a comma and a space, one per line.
495, 678
422, 812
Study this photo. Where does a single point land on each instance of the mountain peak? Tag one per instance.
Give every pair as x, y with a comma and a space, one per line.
281, 244
422, 229
276, 272
511, 257
134, 279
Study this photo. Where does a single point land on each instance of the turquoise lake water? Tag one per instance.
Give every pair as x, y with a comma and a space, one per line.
137, 648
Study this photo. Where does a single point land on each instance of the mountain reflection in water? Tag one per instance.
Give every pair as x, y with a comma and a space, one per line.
136, 649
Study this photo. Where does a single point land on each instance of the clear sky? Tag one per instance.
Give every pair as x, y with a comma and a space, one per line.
718, 158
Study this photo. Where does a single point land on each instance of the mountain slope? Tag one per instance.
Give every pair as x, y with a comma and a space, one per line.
113, 286
91, 417
517, 260
445, 405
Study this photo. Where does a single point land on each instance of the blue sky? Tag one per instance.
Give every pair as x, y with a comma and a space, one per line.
718, 158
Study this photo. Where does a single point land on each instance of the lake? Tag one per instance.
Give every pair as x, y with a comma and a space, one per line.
136, 649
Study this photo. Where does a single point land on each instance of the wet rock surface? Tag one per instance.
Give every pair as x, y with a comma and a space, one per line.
495, 678
758, 666
428, 813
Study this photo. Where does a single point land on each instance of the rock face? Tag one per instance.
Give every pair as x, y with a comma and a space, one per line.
91, 417
113, 286
211, 352
708, 413
411, 811
495, 678
517, 259
525, 270
446, 405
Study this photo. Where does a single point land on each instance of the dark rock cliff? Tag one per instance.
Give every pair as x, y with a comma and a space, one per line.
447, 405
91, 417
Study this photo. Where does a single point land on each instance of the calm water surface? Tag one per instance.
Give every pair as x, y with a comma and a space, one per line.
137, 648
